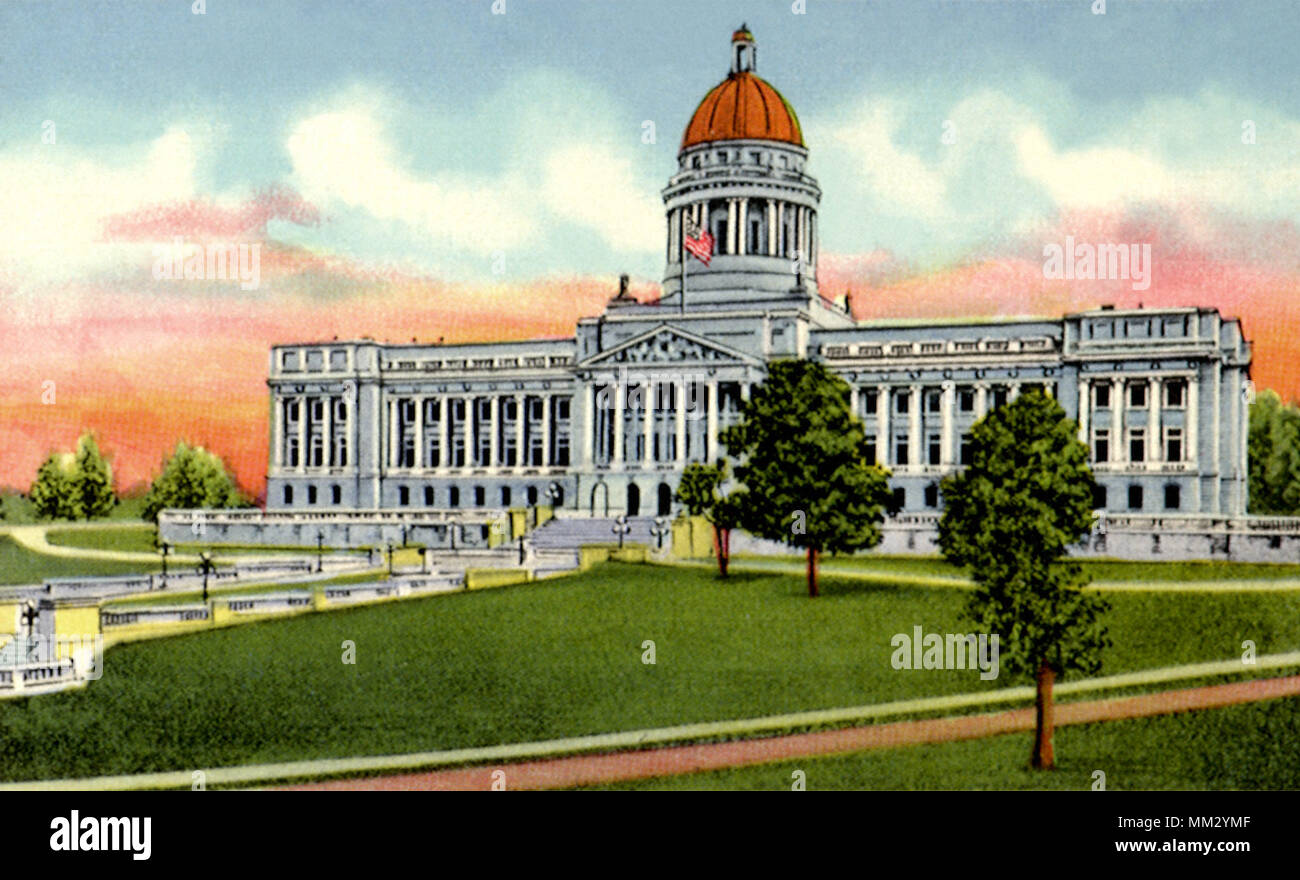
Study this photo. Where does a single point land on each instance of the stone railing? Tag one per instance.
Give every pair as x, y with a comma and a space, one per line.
153, 614
37, 678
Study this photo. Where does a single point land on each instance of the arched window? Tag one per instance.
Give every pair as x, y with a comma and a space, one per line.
633, 500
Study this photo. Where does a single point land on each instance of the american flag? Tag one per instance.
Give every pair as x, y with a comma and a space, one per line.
699, 242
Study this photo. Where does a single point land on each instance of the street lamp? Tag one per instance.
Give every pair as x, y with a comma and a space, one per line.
30, 616
390, 558
320, 550
660, 528
554, 492
164, 548
205, 568
620, 528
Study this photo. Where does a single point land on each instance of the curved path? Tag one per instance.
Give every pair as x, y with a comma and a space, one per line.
621, 766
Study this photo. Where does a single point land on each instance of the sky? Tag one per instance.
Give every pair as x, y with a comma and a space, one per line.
485, 170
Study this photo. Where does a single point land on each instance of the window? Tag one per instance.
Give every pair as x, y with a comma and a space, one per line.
336, 494
531, 495
453, 497
900, 450
999, 393
1134, 497
936, 449
1137, 445
1175, 393
1173, 497
871, 448
428, 496
869, 401
1101, 396
901, 402
967, 450
480, 496
932, 495
1098, 497
1173, 444
900, 499
1101, 445
311, 494
966, 399
403, 495
288, 494
933, 401
1137, 394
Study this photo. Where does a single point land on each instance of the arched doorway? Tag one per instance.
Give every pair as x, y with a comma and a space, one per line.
633, 500
665, 499
600, 499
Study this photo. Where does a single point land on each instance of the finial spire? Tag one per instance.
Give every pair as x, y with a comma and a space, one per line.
744, 57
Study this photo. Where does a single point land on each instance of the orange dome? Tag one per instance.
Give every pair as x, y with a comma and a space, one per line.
743, 106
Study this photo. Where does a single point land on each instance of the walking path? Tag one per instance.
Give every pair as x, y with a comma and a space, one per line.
261, 774
622, 766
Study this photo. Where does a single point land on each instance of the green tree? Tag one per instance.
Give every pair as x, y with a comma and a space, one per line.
93, 479
53, 492
701, 491
192, 478
1273, 453
1011, 516
802, 465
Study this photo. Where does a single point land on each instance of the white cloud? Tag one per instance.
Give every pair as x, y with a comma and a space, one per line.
595, 188
865, 140
345, 157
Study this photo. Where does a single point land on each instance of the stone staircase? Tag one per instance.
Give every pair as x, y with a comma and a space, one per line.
573, 532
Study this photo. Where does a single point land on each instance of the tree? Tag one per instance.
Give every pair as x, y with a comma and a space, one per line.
701, 491
74, 485
52, 493
1010, 516
802, 465
94, 479
192, 478
1274, 456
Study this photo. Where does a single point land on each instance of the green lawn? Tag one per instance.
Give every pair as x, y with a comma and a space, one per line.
1245, 747
135, 538
18, 565
557, 658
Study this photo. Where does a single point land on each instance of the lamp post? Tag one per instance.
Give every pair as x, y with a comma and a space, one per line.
320, 551
554, 492
164, 548
205, 568
620, 528
30, 616
390, 558
660, 528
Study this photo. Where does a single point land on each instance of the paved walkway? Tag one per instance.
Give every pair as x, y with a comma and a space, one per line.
33, 538
622, 766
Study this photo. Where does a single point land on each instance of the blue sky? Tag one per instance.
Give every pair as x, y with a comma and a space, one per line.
441, 137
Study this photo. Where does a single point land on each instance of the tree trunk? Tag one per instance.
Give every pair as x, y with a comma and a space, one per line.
812, 572
717, 550
1043, 758
725, 559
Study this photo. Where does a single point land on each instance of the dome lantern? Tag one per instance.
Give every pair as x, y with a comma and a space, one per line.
744, 55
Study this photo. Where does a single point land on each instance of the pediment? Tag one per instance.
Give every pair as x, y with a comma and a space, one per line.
669, 345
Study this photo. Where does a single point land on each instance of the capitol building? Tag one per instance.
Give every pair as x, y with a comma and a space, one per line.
603, 423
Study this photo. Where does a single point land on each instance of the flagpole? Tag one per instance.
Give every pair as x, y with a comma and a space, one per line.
681, 235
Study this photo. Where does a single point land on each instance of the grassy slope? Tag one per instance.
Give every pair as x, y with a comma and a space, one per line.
18, 565
1239, 747
554, 659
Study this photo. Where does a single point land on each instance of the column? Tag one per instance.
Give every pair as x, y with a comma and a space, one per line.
711, 426
981, 401
1014, 393
546, 430
326, 427
1119, 437
914, 426
419, 433
648, 423
1084, 406
392, 432
945, 438
853, 398
494, 439
444, 433
521, 416
593, 423
1191, 418
882, 425
1155, 392
771, 227
742, 212
679, 392
620, 391
731, 226
780, 227
279, 432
